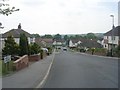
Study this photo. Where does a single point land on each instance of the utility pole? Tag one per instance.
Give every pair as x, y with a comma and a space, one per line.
112, 34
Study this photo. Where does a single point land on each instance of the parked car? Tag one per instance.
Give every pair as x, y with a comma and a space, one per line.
64, 49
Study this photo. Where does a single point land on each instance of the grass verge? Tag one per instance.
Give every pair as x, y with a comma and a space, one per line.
6, 68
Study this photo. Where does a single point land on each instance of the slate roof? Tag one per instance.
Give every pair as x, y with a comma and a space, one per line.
88, 43
16, 33
116, 32
47, 40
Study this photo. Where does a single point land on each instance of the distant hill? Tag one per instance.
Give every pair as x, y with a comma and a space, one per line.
96, 34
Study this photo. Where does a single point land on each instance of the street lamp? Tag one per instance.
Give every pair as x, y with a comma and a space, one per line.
112, 34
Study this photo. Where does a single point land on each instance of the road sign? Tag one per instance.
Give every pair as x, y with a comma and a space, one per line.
7, 58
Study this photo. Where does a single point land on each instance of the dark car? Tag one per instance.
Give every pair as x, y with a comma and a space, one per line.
64, 49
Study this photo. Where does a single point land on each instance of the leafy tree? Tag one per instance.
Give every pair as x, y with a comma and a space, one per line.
78, 36
24, 47
5, 8
11, 47
34, 48
117, 50
90, 36
47, 36
35, 35
58, 37
66, 37
72, 37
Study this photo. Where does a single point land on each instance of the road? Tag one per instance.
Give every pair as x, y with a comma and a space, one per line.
75, 70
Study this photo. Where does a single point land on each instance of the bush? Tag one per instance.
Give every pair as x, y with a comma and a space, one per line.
34, 48
11, 47
49, 50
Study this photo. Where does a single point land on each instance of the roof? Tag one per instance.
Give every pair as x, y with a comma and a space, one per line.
59, 40
91, 43
116, 32
87, 42
16, 33
45, 40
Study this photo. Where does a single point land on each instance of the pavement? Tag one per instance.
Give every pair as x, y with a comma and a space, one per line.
31, 77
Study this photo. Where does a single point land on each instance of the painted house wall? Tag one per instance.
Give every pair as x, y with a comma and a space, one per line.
71, 44
110, 41
30, 40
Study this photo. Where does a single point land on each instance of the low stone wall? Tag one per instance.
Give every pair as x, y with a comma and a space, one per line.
21, 63
34, 57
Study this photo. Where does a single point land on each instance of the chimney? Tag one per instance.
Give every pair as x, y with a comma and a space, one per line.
19, 26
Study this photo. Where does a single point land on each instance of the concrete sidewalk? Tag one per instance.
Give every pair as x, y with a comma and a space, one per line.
29, 77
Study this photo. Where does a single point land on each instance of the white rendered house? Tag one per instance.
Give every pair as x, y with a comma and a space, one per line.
112, 38
16, 35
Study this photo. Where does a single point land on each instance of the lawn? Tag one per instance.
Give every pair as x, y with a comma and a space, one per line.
6, 68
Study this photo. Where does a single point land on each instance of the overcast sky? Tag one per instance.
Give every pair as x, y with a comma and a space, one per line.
62, 16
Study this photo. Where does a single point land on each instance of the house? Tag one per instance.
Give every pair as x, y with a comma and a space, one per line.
84, 43
16, 34
74, 43
58, 42
101, 41
44, 42
112, 38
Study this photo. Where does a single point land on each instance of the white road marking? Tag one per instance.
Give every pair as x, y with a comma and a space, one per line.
44, 79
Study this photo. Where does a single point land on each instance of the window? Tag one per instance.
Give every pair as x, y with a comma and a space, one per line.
113, 37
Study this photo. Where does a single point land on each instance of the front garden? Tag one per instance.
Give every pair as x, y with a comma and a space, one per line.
20, 54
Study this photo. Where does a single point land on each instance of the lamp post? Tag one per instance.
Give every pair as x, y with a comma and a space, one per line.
112, 34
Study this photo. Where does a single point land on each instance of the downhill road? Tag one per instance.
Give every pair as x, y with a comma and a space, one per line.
75, 70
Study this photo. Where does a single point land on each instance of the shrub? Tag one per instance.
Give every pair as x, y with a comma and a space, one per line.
11, 47
34, 48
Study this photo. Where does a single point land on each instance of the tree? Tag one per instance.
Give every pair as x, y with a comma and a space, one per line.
24, 47
66, 37
90, 36
5, 8
34, 48
47, 36
11, 47
58, 37
78, 36
36, 35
